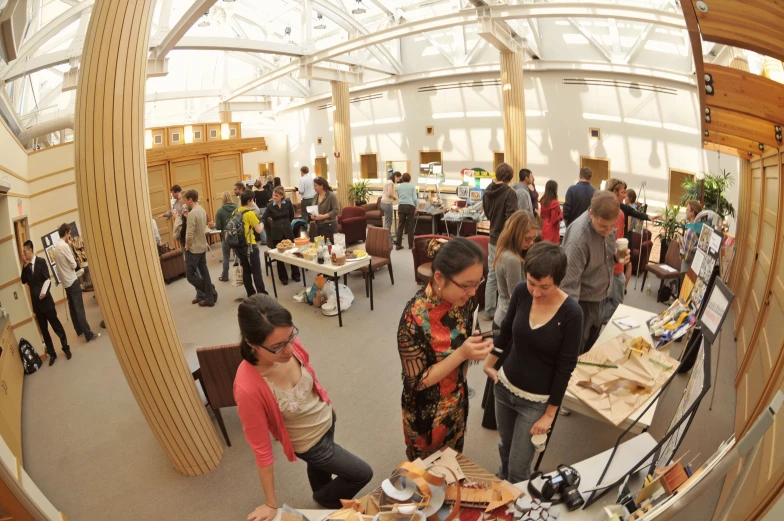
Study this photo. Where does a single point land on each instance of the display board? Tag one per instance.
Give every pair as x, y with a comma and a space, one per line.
77, 247
716, 310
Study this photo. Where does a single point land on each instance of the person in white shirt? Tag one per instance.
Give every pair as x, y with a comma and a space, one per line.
388, 199
66, 267
306, 191
36, 275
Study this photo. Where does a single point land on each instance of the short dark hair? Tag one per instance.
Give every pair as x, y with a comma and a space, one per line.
304, 170
393, 175
546, 259
456, 256
586, 173
406, 178
258, 316
63, 230
191, 194
524, 172
504, 173
323, 183
28, 244
239, 185
246, 196
276, 181
176, 189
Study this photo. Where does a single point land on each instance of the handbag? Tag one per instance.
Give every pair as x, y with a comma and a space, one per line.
235, 275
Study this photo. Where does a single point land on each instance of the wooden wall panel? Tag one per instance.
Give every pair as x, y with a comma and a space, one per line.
224, 172
741, 232
749, 256
191, 174
513, 100
113, 187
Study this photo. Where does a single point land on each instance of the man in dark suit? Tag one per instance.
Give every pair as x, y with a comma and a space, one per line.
36, 275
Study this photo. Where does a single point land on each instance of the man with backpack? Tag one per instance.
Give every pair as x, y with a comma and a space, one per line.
36, 275
239, 235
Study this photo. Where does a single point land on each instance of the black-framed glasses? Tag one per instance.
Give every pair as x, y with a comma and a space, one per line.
280, 346
469, 287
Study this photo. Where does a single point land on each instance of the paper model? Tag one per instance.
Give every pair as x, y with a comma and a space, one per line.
619, 376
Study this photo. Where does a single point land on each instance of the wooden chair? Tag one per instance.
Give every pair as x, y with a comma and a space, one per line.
380, 250
672, 259
217, 368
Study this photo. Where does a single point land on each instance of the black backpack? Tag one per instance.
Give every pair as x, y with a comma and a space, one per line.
30, 359
234, 233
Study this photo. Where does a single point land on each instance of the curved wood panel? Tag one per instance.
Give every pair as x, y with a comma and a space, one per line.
746, 93
741, 125
112, 187
513, 95
342, 126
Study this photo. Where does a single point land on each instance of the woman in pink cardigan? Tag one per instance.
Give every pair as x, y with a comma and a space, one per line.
278, 394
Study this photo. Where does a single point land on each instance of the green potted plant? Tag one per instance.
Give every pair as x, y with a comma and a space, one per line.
670, 228
713, 195
359, 192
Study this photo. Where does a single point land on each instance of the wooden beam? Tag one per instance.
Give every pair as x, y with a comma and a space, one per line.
741, 125
745, 92
726, 150
742, 144
696, 47
202, 149
751, 24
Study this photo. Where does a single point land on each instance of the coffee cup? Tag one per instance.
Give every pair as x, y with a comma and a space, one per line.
623, 247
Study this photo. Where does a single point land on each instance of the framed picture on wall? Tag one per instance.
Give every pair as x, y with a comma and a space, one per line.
463, 191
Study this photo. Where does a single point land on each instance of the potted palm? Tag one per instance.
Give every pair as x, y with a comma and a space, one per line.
670, 228
359, 192
712, 196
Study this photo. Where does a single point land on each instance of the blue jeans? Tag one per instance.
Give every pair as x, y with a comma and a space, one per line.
199, 276
491, 286
326, 458
76, 307
227, 259
515, 417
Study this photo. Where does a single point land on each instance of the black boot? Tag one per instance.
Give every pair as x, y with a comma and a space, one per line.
67, 351
52, 358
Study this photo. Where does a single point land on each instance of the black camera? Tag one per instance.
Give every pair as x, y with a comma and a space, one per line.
559, 487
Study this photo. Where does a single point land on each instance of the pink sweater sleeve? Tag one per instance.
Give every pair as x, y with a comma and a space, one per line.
254, 424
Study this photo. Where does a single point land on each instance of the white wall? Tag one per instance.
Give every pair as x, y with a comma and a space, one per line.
277, 152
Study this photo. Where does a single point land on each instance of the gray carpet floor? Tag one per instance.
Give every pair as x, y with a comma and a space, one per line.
89, 449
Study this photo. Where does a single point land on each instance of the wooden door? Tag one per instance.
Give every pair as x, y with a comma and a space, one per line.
322, 170
677, 178
744, 322
600, 168
20, 232
160, 199
191, 174
225, 170
498, 158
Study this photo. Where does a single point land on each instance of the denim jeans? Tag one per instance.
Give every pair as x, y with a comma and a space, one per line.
326, 458
76, 307
616, 296
226, 260
491, 286
515, 417
199, 276
387, 209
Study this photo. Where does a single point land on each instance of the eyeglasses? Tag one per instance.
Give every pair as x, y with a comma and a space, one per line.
280, 346
469, 287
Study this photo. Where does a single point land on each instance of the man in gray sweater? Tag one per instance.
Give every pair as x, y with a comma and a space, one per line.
591, 252
196, 252
523, 192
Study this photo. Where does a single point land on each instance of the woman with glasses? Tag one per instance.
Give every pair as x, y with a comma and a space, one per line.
434, 342
537, 345
278, 394
516, 238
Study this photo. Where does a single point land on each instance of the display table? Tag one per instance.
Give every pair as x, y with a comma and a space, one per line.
570, 401
328, 269
628, 455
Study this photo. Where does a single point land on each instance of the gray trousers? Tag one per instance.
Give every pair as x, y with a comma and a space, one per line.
388, 210
593, 313
199, 276
515, 417
76, 307
616, 297
491, 286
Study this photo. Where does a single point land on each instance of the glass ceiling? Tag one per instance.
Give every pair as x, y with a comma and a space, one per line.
232, 43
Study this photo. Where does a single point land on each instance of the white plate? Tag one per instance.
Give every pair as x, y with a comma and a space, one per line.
355, 260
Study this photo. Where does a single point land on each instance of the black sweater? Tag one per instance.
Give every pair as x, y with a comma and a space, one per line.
540, 361
577, 201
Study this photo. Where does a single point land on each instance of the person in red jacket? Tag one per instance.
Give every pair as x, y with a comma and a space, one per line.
278, 394
551, 212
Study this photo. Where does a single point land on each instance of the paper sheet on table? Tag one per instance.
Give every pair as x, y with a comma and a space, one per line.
626, 323
312, 210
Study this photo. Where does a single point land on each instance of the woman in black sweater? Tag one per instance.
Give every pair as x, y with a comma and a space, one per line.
538, 344
280, 212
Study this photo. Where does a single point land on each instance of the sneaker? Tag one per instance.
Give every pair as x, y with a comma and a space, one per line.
563, 411
95, 337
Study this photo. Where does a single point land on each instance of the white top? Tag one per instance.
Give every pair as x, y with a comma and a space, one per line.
155, 231
389, 192
306, 190
66, 264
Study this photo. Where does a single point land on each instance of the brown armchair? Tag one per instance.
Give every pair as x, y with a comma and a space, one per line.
374, 214
640, 252
353, 224
217, 368
422, 262
172, 264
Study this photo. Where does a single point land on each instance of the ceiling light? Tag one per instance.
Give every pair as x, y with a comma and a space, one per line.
320, 24
360, 9
287, 31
